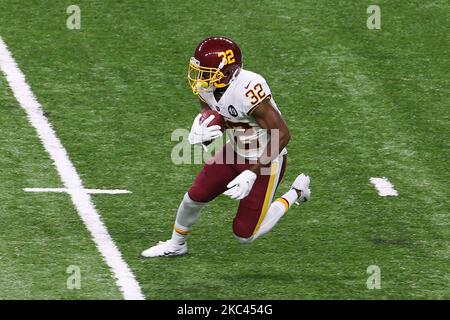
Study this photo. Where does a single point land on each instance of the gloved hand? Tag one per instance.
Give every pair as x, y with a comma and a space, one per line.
241, 186
200, 132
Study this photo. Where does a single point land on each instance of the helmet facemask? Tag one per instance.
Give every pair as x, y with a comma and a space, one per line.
202, 79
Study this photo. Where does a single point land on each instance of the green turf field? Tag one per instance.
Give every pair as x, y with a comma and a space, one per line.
359, 103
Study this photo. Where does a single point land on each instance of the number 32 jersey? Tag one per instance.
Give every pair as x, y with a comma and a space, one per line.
236, 105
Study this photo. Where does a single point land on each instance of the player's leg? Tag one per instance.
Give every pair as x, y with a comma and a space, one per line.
209, 183
253, 208
255, 216
299, 192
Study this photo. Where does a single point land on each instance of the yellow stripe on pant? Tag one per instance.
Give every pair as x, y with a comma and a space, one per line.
275, 170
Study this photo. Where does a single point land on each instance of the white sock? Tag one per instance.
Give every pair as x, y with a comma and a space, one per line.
291, 196
276, 210
187, 215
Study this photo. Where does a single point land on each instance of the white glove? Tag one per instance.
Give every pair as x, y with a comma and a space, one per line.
201, 132
241, 186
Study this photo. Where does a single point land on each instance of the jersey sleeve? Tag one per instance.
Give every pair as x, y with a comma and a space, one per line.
257, 91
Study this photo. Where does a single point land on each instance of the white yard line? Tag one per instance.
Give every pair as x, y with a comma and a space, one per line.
81, 199
90, 191
384, 187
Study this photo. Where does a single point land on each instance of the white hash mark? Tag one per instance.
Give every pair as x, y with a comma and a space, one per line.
89, 191
125, 279
384, 187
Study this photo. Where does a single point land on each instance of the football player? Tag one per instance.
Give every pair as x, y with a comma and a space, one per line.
254, 170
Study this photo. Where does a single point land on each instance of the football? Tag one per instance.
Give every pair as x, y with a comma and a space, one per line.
218, 120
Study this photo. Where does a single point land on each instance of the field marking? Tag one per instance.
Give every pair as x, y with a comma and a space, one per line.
89, 191
81, 199
384, 186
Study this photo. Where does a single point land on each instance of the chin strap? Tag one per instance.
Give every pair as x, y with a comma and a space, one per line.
235, 74
222, 64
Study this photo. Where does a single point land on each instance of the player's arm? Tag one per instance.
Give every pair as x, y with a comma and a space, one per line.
270, 119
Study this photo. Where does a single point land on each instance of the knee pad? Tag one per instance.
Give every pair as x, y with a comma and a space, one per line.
199, 194
242, 232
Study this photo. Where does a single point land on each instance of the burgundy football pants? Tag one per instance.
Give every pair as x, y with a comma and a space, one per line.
217, 173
